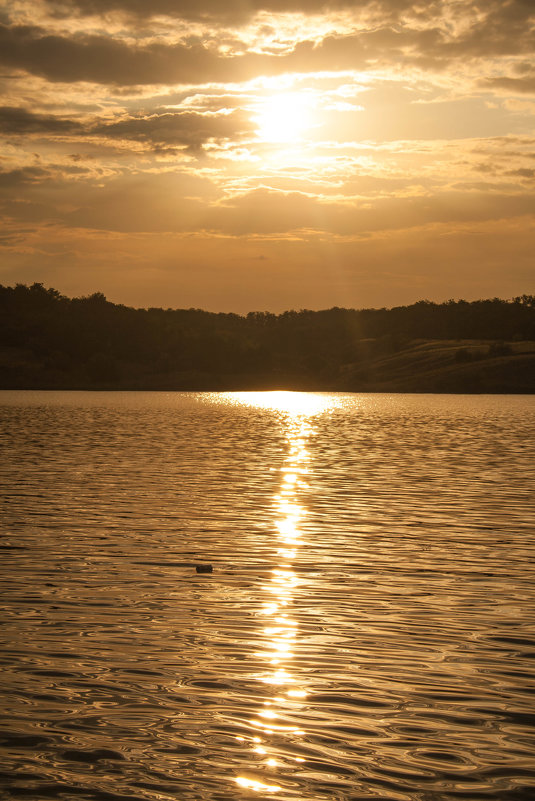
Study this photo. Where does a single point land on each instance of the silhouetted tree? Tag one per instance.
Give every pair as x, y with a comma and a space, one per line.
89, 341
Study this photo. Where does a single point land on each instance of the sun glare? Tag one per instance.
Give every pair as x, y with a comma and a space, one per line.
284, 117
294, 404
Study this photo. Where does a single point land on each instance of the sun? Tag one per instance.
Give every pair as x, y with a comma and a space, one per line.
284, 117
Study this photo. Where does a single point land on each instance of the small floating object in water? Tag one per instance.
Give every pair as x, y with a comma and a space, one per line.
203, 568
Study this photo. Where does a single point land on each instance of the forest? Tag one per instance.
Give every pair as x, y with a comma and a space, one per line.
50, 341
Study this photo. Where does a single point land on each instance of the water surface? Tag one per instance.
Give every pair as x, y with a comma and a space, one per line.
367, 631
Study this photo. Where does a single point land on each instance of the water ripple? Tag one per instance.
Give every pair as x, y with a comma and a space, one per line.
368, 631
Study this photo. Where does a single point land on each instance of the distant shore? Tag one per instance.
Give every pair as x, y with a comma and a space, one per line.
49, 341
461, 366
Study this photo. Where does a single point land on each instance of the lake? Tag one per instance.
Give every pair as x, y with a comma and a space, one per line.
367, 630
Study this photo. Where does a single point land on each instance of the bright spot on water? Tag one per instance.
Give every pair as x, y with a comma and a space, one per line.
258, 786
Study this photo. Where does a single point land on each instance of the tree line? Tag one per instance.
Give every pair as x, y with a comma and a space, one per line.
50, 340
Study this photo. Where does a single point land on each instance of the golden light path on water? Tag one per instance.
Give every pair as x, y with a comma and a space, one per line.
280, 631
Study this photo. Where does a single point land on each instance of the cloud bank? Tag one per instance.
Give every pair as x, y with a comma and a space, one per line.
278, 133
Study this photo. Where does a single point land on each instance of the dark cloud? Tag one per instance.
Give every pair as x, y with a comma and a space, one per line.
103, 59
515, 85
25, 175
14, 120
500, 15
522, 81
106, 60
503, 30
183, 129
187, 129
522, 172
210, 10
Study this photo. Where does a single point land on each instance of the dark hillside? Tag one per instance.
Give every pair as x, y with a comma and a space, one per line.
50, 341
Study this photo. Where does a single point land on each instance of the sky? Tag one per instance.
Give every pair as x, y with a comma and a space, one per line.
239, 155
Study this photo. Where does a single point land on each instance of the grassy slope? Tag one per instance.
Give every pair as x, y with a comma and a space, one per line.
421, 366
434, 366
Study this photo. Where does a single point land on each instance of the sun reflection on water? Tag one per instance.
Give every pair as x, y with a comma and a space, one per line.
292, 404
279, 635
255, 784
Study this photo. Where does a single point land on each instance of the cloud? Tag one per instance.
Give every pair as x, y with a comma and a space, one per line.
184, 129
214, 10
14, 120
26, 175
492, 30
524, 85
276, 213
177, 201
445, 33
404, 134
105, 60
522, 172
127, 202
112, 61
188, 129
